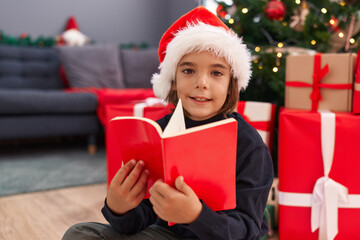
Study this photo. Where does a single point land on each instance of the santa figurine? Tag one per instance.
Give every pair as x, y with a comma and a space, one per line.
72, 36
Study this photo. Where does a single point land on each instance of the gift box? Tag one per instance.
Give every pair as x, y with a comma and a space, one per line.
319, 180
151, 108
260, 115
274, 202
356, 103
356, 97
109, 96
269, 215
320, 82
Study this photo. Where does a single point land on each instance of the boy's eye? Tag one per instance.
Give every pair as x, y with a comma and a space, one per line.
188, 71
216, 73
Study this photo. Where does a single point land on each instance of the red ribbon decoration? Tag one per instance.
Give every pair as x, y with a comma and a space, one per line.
356, 96
318, 74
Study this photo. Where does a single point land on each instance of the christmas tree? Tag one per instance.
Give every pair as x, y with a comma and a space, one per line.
273, 29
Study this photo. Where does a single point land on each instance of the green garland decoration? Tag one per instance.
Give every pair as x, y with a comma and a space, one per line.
26, 40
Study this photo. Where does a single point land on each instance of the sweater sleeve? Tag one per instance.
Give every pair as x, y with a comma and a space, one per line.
254, 176
133, 221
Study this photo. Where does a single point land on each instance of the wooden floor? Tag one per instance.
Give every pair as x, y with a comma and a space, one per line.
47, 215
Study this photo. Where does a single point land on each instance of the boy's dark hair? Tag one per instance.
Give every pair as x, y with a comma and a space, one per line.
230, 103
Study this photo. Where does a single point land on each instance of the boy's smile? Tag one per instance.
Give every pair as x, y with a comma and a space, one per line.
202, 81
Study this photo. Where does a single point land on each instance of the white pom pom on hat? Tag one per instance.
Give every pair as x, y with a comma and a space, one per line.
200, 30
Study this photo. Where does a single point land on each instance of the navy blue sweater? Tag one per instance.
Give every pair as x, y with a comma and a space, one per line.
254, 176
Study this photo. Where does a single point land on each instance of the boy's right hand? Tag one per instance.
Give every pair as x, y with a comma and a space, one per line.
128, 188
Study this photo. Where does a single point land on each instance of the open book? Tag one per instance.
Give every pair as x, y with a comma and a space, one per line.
205, 155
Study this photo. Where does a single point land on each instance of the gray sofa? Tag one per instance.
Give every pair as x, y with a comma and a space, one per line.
33, 103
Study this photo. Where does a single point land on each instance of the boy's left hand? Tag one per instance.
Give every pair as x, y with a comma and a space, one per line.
178, 205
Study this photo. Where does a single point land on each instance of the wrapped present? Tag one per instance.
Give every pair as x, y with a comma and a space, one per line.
152, 108
319, 180
356, 97
109, 97
273, 200
320, 82
260, 115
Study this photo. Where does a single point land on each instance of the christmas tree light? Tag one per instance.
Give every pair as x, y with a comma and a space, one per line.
275, 28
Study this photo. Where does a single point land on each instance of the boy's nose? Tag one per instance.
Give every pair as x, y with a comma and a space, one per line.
202, 82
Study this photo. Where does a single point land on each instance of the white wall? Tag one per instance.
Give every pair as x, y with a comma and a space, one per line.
116, 21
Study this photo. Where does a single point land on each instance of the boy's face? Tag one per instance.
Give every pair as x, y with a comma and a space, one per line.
202, 82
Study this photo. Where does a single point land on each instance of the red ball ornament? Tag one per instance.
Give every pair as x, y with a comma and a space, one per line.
334, 24
23, 36
275, 10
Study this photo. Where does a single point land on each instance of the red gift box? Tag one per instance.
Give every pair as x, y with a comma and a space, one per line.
319, 179
260, 115
356, 102
109, 96
150, 108
356, 97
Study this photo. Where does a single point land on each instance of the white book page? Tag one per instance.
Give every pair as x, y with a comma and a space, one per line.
177, 121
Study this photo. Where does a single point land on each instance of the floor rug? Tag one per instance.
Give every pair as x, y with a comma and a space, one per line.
48, 168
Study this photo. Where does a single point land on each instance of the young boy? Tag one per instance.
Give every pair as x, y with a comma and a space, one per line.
204, 64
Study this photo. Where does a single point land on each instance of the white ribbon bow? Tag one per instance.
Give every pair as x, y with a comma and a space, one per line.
327, 193
139, 107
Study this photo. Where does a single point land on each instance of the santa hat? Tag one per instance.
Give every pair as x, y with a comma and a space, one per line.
72, 24
200, 30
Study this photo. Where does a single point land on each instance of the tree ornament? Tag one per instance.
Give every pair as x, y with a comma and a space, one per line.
23, 36
334, 23
220, 12
275, 10
343, 3
338, 43
40, 41
24, 40
300, 14
257, 19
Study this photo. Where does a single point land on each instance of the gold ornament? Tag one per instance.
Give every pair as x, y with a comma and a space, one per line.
298, 20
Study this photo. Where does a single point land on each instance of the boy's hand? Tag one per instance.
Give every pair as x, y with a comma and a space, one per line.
128, 188
180, 205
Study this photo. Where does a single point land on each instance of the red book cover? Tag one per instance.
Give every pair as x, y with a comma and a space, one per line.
205, 155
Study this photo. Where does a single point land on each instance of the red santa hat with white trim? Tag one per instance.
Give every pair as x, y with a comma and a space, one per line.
200, 30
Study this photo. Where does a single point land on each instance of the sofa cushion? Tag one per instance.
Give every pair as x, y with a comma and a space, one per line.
139, 66
92, 66
38, 126
29, 67
16, 102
